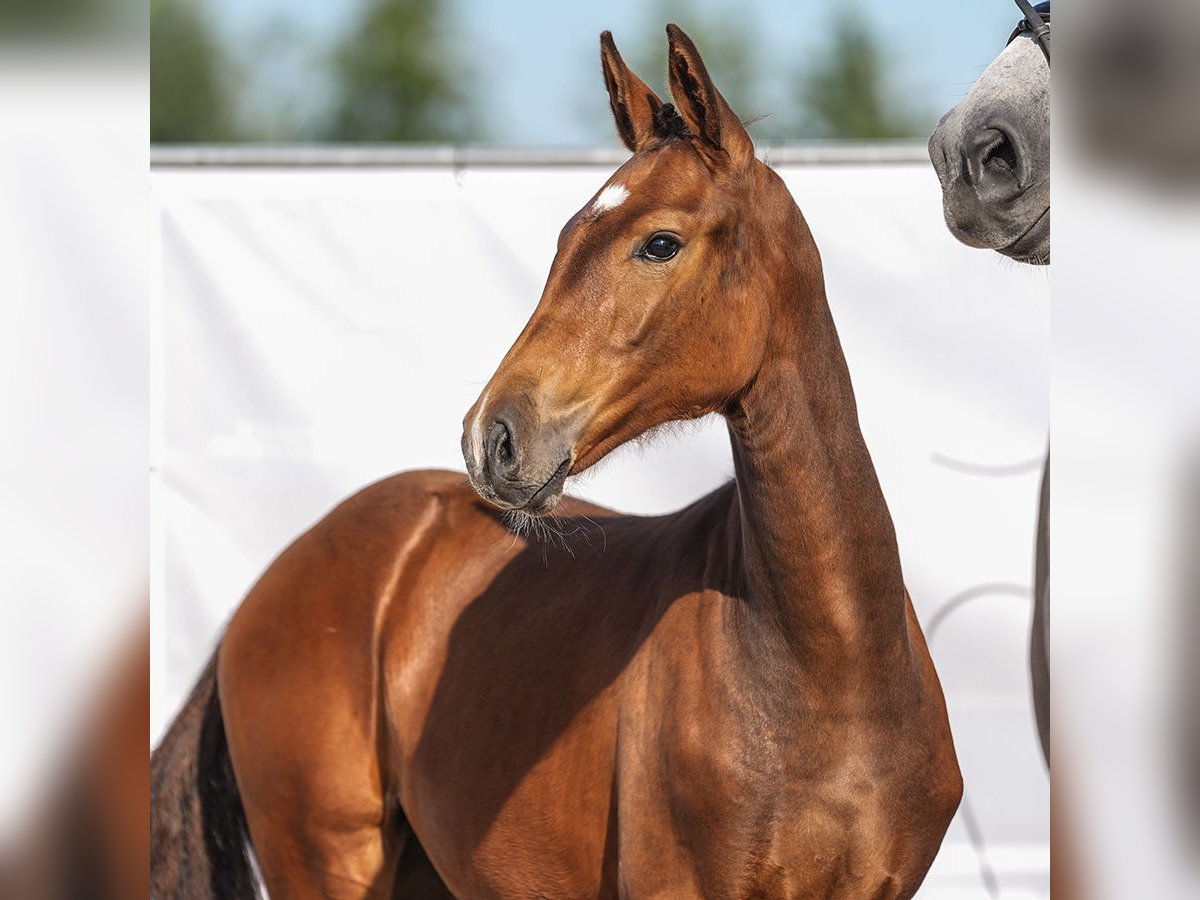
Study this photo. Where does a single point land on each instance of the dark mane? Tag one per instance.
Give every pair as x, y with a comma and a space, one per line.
669, 124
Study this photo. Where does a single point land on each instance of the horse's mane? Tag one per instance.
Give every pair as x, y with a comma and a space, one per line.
669, 124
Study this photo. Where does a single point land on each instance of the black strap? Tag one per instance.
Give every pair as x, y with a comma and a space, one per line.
1036, 22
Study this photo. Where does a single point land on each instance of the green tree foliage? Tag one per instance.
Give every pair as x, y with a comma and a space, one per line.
397, 73
845, 92
285, 94
396, 77
95, 20
189, 89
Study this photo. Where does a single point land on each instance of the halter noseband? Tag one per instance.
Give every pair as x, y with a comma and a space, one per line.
1036, 22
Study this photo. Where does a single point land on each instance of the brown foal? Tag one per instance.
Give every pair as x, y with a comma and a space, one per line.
734, 700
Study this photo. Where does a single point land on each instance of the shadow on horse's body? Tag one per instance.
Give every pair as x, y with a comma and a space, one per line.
733, 700
522, 683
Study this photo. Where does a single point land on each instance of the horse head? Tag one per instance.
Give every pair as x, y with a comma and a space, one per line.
658, 303
992, 155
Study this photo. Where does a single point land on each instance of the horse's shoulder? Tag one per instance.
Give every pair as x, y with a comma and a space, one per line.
395, 503
409, 492
576, 506
420, 481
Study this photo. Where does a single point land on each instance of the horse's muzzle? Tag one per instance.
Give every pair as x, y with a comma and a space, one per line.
513, 460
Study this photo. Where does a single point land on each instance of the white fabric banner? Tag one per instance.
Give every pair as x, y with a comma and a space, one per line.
323, 327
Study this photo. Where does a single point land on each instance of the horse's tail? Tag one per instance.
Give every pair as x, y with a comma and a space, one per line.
198, 837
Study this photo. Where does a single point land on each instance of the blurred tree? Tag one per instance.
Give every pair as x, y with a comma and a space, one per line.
284, 89
396, 77
39, 19
845, 92
189, 88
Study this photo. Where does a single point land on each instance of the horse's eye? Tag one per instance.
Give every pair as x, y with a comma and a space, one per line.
661, 247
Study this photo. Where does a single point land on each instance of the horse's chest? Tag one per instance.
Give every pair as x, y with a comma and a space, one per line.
715, 832
739, 805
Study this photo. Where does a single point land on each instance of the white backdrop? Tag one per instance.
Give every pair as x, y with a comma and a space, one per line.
321, 327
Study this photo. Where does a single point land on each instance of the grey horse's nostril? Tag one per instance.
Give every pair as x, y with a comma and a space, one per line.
993, 160
1001, 153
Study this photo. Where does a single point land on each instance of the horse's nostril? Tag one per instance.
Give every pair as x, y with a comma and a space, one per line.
993, 161
500, 447
1001, 154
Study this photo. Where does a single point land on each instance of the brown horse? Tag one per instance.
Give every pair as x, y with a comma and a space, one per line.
734, 700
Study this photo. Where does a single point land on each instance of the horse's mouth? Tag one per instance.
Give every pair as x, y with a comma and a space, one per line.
1027, 247
547, 496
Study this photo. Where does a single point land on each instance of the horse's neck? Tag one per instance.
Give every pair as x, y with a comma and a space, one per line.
821, 566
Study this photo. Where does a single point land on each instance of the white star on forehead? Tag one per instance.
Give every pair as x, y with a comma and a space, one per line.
610, 198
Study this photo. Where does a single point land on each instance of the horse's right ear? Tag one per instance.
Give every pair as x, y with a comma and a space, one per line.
716, 127
634, 105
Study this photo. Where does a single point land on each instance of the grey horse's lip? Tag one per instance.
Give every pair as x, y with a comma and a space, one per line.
1019, 249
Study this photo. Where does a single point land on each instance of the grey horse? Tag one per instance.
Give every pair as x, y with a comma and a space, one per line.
992, 156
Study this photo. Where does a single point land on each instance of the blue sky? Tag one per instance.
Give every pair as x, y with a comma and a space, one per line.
541, 83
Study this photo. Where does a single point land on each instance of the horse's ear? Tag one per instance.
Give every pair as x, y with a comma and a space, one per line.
634, 105
715, 125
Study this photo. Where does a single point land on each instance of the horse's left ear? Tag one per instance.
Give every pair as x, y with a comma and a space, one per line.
716, 126
635, 107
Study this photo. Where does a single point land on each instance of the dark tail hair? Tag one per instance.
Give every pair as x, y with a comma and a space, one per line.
198, 837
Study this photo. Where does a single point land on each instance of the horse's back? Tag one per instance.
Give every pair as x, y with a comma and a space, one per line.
403, 556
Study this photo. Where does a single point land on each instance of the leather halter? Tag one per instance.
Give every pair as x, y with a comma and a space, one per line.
1036, 22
